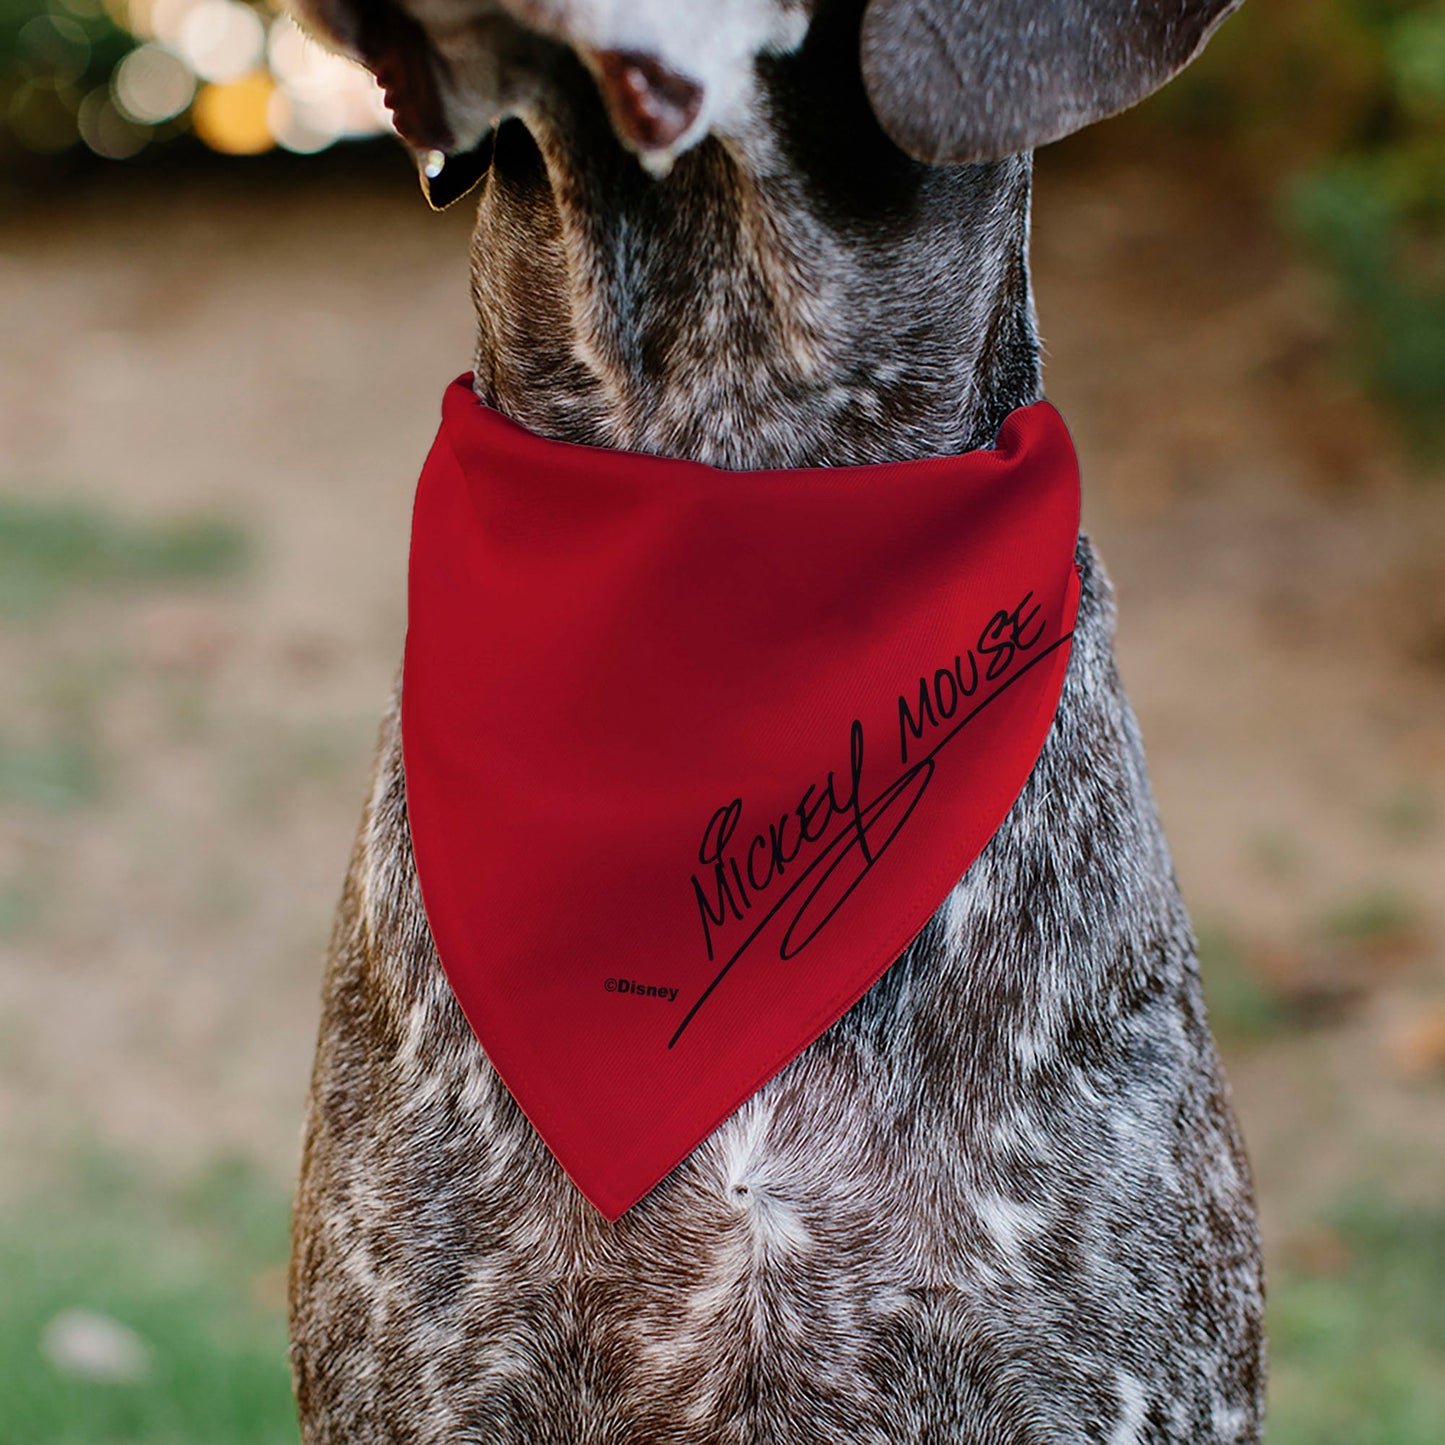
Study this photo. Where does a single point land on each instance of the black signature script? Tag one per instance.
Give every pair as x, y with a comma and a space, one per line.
846, 833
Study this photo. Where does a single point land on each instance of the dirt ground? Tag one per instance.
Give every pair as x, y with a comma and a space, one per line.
273, 355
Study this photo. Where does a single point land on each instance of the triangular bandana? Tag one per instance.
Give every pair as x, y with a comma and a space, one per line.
692, 755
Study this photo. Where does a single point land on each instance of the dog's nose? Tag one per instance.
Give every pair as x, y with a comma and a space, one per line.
651, 106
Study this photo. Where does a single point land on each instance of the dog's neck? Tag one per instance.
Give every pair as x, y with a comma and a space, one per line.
807, 297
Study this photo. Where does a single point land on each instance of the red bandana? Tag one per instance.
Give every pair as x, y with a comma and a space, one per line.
692, 755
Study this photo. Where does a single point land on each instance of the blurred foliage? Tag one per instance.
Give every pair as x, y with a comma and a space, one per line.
78, 41
49, 549
1241, 1004
55, 775
1379, 915
1357, 1331
52, 57
1337, 108
192, 1279
116, 78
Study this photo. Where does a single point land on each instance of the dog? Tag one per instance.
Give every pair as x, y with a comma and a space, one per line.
1003, 1199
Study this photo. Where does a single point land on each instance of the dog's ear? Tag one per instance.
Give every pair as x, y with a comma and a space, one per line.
974, 80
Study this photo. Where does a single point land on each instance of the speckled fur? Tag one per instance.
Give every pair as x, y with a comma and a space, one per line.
1003, 1199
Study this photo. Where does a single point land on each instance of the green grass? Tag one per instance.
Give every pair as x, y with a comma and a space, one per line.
1379, 914
1408, 814
1241, 1006
49, 550
193, 1275
1358, 1355
17, 909
54, 776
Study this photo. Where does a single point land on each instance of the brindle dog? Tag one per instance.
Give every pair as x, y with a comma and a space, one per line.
1003, 1199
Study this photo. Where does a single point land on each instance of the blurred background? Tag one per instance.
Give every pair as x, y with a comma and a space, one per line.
226, 318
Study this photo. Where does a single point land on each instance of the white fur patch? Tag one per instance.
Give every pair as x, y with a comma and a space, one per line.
1009, 1224
1133, 1402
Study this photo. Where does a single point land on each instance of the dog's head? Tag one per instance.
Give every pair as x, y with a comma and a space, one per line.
948, 80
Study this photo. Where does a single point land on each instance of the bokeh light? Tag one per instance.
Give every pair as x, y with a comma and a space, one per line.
320, 97
57, 45
233, 117
152, 84
119, 75
221, 40
42, 114
106, 130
